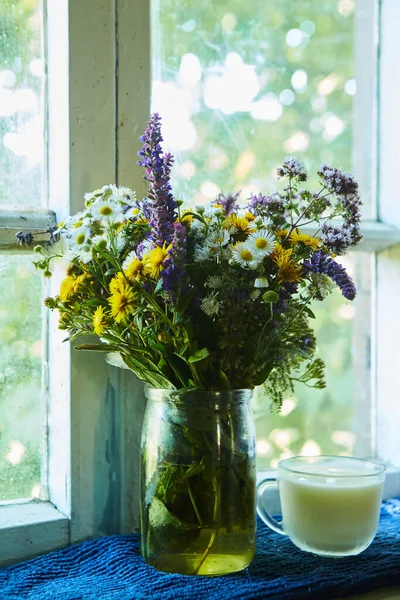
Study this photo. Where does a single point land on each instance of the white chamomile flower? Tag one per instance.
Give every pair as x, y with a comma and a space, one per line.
262, 242
132, 212
99, 241
107, 211
127, 193
129, 259
218, 238
263, 224
85, 254
261, 282
202, 253
80, 237
211, 305
244, 255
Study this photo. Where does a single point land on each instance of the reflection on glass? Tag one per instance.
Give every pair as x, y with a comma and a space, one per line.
21, 84
240, 86
20, 378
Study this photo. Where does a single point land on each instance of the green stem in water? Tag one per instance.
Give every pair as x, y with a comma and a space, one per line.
215, 525
194, 504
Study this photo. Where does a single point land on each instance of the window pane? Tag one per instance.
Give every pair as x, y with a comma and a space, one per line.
326, 421
239, 87
21, 354
21, 99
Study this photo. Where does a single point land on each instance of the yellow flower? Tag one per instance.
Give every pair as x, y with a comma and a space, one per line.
154, 260
302, 238
240, 224
99, 321
288, 271
135, 269
281, 233
117, 283
249, 216
122, 302
186, 219
67, 288
79, 281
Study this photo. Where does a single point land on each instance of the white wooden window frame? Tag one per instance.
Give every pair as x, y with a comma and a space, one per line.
98, 104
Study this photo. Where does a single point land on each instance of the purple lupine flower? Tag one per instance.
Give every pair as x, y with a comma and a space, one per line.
228, 203
174, 271
160, 204
292, 167
320, 262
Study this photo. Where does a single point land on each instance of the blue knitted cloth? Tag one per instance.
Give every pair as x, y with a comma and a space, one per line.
110, 568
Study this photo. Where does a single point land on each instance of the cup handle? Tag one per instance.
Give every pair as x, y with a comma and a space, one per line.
262, 511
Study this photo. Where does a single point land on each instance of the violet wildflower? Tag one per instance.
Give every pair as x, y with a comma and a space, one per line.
25, 238
160, 205
271, 207
320, 262
174, 271
338, 182
285, 295
293, 168
228, 203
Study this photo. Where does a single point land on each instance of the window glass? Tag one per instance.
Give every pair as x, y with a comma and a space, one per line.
21, 101
239, 87
21, 354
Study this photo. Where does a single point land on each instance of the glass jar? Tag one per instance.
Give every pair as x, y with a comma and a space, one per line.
198, 480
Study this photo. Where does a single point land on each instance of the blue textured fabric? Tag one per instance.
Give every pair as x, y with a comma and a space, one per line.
110, 568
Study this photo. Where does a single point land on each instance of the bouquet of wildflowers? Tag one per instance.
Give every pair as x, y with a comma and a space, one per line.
212, 297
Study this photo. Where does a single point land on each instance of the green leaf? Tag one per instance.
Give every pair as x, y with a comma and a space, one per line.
158, 287
147, 371
309, 312
199, 355
116, 360
98, 347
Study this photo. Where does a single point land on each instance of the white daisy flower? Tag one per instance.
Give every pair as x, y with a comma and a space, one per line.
262, 242
127, 193
244, 255
99, 241
217, 238
261, 282
131, 257
80, 237
132, 212
202, 253
107, 211
211, 305
263, 223
85, 255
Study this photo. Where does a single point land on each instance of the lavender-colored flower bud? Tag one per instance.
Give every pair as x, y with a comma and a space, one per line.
320, 262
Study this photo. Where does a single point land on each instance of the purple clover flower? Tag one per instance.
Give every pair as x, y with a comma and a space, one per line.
174, 271
228, 203
320, 262
160, 204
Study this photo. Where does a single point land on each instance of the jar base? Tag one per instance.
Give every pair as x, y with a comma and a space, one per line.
214, 564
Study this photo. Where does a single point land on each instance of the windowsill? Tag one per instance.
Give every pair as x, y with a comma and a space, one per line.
392, 593
30, 529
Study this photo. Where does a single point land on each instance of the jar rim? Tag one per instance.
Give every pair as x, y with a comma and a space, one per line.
162, 395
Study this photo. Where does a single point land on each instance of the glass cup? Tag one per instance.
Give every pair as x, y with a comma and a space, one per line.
330, 504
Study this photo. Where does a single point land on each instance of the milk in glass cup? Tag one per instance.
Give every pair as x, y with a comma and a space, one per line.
330, 504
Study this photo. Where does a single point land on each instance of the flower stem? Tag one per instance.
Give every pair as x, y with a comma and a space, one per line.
215, 525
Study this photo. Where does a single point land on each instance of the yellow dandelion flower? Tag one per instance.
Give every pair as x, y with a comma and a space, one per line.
302, 238
117, 283
122, 303
240, 224
67, 289
135, 269
249, 216
186, 218
99, 321
79, 281
154, 260
281, 233
288, 271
